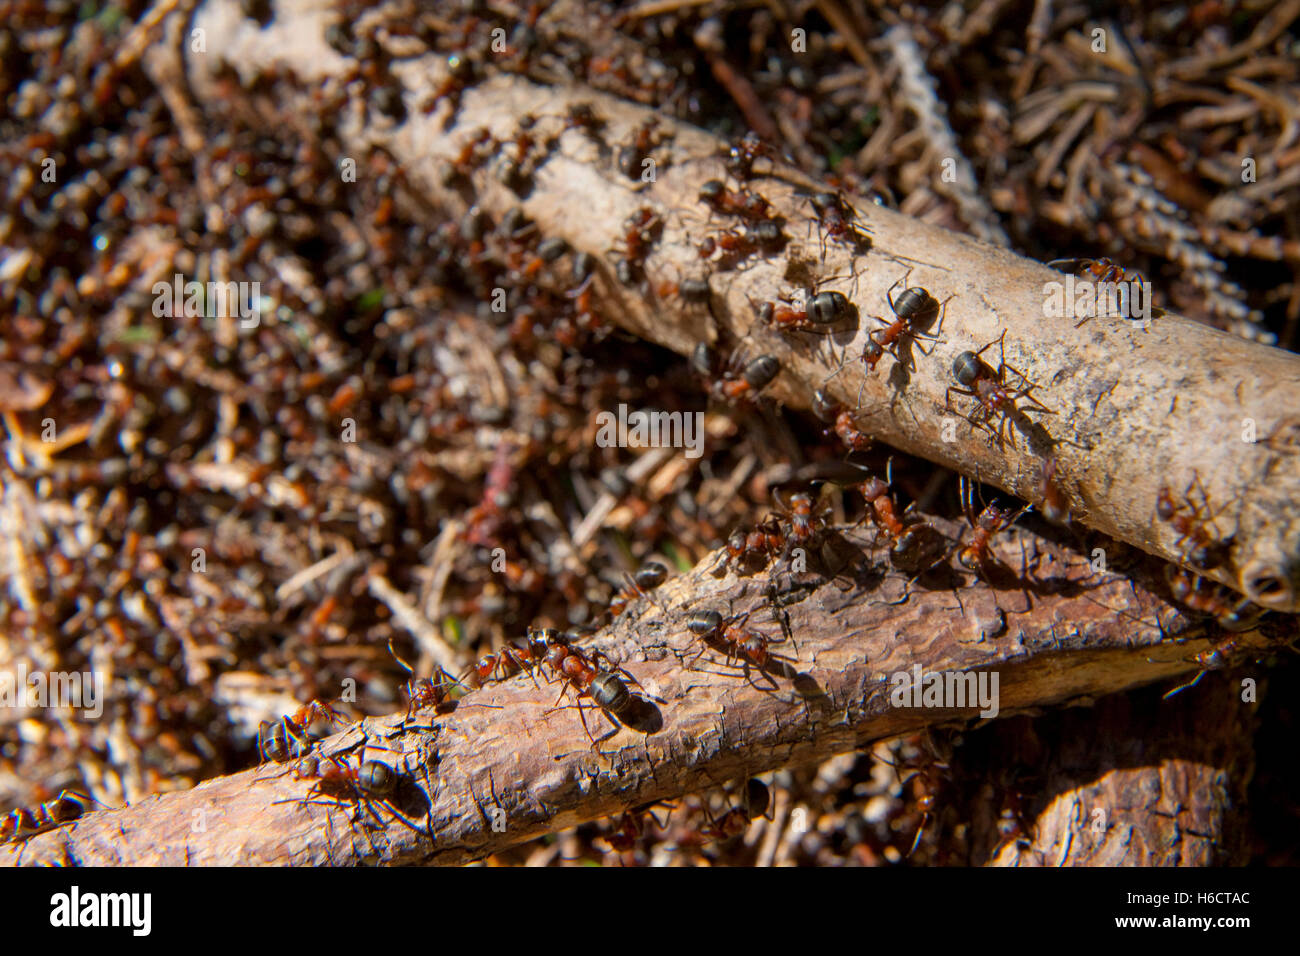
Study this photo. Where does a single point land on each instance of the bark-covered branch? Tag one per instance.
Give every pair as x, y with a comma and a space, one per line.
508, 755
1126, 409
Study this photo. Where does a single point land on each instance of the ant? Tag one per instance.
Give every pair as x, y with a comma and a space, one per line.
21, 823
737, 384
977, 556
733, 823
745, 548
911, 543
1099, 271
631, 827
914, 309
422, 692
512, 659
648, 577
605, 688
641, 229
748, 206
989, 388
632, 157
1055, 507
740, 641
582, 116
819, 313
1231, 613
841, 421
286, 738
805, 519
735, 245
835, 216
469, 158
742, 156
370, 781
1204, 552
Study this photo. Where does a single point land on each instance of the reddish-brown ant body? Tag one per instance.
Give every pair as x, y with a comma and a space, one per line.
641, 230
486, 519
605, 688
740, 382
1204, 551
840, 418
740, 641
913, 546
820, 313
470, 156
734, 245
286, 738
1232, 613
648, 577
989, 387
766, 540
836, 217
742, 156
632, 157
977, 555
24, 822
1055, 508
748, 206
913, 310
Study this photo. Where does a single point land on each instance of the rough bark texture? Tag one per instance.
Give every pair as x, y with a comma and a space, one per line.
1128, 409
507, 756
1132, 781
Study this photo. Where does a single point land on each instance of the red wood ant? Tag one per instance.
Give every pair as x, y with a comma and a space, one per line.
748, 206
913, 310
913, 546
631, 827
977, 556
836, 216
744, 548
989, 388
22, 822
641, 230
648, 577
1204, 551
735, 821
806, 519
605, 688
820, 313
422, 692
371, 781
513, 659
1055, 507
841, 420
740, 382
1098, 271
286, 738
740, 641
734, 245
1231, 612
632, 157
742, 156
469, 157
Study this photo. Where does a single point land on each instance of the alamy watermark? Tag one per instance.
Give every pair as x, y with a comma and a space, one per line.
215, 300
56, 689
642, 429
949, 690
